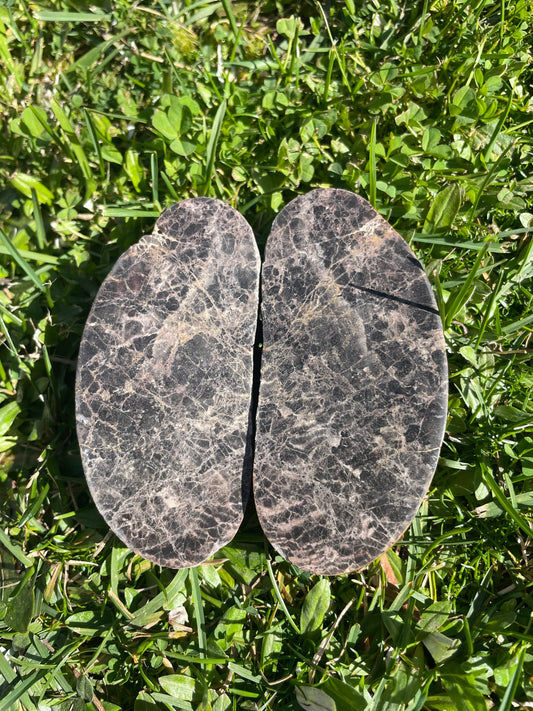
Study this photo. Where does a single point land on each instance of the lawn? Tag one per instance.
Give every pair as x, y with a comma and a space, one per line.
112, 111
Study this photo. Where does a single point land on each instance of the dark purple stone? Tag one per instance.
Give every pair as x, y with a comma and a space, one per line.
164, 382
353, 393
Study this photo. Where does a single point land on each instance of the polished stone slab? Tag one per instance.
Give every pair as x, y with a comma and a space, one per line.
353, 392
164, 383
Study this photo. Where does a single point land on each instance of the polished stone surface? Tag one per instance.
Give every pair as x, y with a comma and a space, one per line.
164, 381
353, 392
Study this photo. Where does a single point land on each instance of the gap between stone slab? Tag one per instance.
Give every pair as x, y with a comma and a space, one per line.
250, 519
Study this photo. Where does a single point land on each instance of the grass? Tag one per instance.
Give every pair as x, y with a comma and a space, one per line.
111, 112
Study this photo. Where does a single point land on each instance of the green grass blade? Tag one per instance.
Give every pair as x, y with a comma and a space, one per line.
15, 550
499, 126
10, 315
171, 702
198, 611
487, 179
128, 212
329, 74
191, 659
51, 16
212, 145
198, 11
423, 21
35, 507
10, 345
507, 702
275, 54
244, 673
280, 599
231, 17
489, 309
10, 676
73, 141
94, 140
90, 58
5, 52
504, 502
40, 117
467, 244
456, 302
19, 259
170, 187
372, 165
26, 254
340, 63
438, 291
479, 600
154, 170
39, 224
517, 325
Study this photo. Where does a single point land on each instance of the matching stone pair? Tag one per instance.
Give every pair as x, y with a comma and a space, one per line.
352, 395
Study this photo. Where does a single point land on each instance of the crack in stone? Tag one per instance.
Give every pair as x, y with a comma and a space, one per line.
399, 299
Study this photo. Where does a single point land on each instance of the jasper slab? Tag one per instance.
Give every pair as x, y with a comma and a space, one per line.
164, 383
353, 390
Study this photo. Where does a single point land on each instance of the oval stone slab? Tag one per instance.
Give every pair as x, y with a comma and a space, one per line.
353, 391
164, 381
